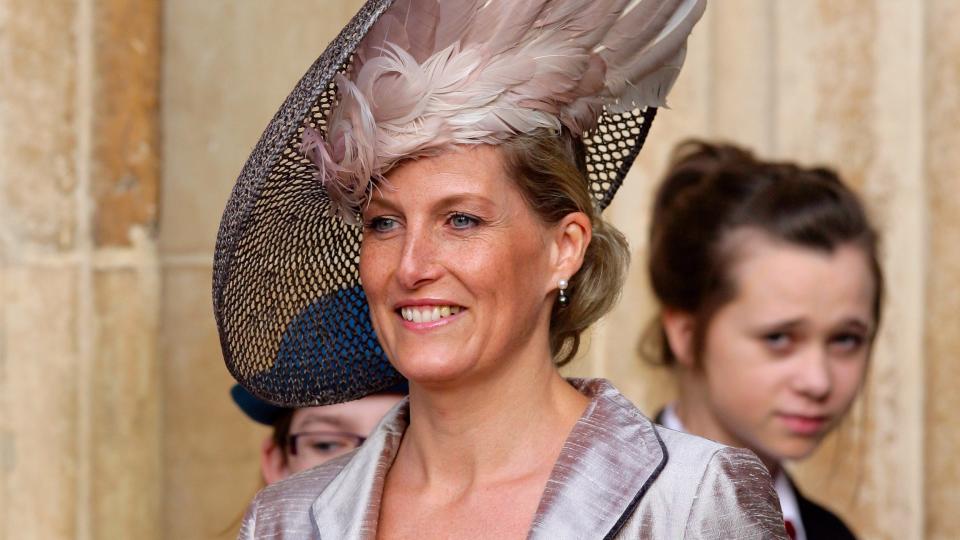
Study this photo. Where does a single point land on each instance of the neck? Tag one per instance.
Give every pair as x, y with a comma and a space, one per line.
506, 426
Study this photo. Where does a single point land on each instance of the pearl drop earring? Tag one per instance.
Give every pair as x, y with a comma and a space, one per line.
563, 299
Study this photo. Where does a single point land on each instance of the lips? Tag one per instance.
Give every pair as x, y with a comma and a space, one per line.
804, 425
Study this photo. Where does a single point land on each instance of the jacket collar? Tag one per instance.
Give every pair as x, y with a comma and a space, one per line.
350, 504
606, 465
608, 461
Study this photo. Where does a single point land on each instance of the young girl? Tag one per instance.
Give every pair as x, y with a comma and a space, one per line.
770, 288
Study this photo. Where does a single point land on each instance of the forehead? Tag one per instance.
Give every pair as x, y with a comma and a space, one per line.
785, 280
462, 171
326, 416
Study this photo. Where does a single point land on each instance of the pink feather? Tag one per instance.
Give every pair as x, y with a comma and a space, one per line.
433, 74
420, 19
455, 19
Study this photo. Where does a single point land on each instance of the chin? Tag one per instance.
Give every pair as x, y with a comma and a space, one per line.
794, 449
426, 368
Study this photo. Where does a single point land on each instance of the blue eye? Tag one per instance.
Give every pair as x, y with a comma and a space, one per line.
381, 224
847, 343
463, 221
778, 341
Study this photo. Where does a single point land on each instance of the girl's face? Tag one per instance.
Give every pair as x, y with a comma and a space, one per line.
457, 269
783, 362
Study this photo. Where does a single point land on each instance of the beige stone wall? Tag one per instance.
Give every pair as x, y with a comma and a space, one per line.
941, 170
114, 415
80, 396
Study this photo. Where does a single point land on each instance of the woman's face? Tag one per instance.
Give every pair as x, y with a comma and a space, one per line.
783, 362
457, 268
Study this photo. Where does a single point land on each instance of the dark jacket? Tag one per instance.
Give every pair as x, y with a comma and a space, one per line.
820, 523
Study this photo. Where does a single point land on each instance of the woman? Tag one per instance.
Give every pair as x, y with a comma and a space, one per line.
770, 287
462, 138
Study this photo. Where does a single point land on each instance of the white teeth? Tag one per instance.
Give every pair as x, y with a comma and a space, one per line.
428, 314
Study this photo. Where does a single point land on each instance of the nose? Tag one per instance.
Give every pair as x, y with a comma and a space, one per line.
419, 264
813, 377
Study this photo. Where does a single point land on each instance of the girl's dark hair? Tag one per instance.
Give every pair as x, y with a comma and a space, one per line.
712, 190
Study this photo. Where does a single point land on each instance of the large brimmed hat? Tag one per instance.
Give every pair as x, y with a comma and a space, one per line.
405, 79
267, 414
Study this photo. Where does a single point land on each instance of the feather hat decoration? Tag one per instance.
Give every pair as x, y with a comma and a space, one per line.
435, 73
408, 78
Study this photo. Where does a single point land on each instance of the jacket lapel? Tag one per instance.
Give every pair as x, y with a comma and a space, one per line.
350, 504
610, 458
606, 465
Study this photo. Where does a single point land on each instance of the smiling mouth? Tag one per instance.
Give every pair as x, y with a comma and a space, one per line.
428, 314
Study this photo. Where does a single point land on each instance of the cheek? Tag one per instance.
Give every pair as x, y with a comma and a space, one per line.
726, 357
372, 264
739, 372
744, 388
848, 377
503, 266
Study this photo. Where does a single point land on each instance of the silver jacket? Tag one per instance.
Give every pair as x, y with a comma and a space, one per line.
618, 476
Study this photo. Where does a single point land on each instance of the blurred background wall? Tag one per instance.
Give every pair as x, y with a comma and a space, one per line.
124, 124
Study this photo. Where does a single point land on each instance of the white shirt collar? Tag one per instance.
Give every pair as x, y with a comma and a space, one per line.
788, 497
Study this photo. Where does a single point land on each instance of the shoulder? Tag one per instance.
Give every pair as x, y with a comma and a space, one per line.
688, 452
714, 491
286, 505
693, 460
694, 457
820, 522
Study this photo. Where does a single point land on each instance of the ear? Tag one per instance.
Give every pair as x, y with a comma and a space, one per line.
273, 464
571, 238
679, 329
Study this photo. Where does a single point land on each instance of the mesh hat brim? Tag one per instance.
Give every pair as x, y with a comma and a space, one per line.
293, 320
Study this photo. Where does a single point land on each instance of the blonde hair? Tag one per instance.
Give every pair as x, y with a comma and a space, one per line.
543, 167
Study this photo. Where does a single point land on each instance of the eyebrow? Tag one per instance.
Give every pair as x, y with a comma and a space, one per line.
461, 198
794, 323
781, 325
856, 322
379, 202
450, 200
